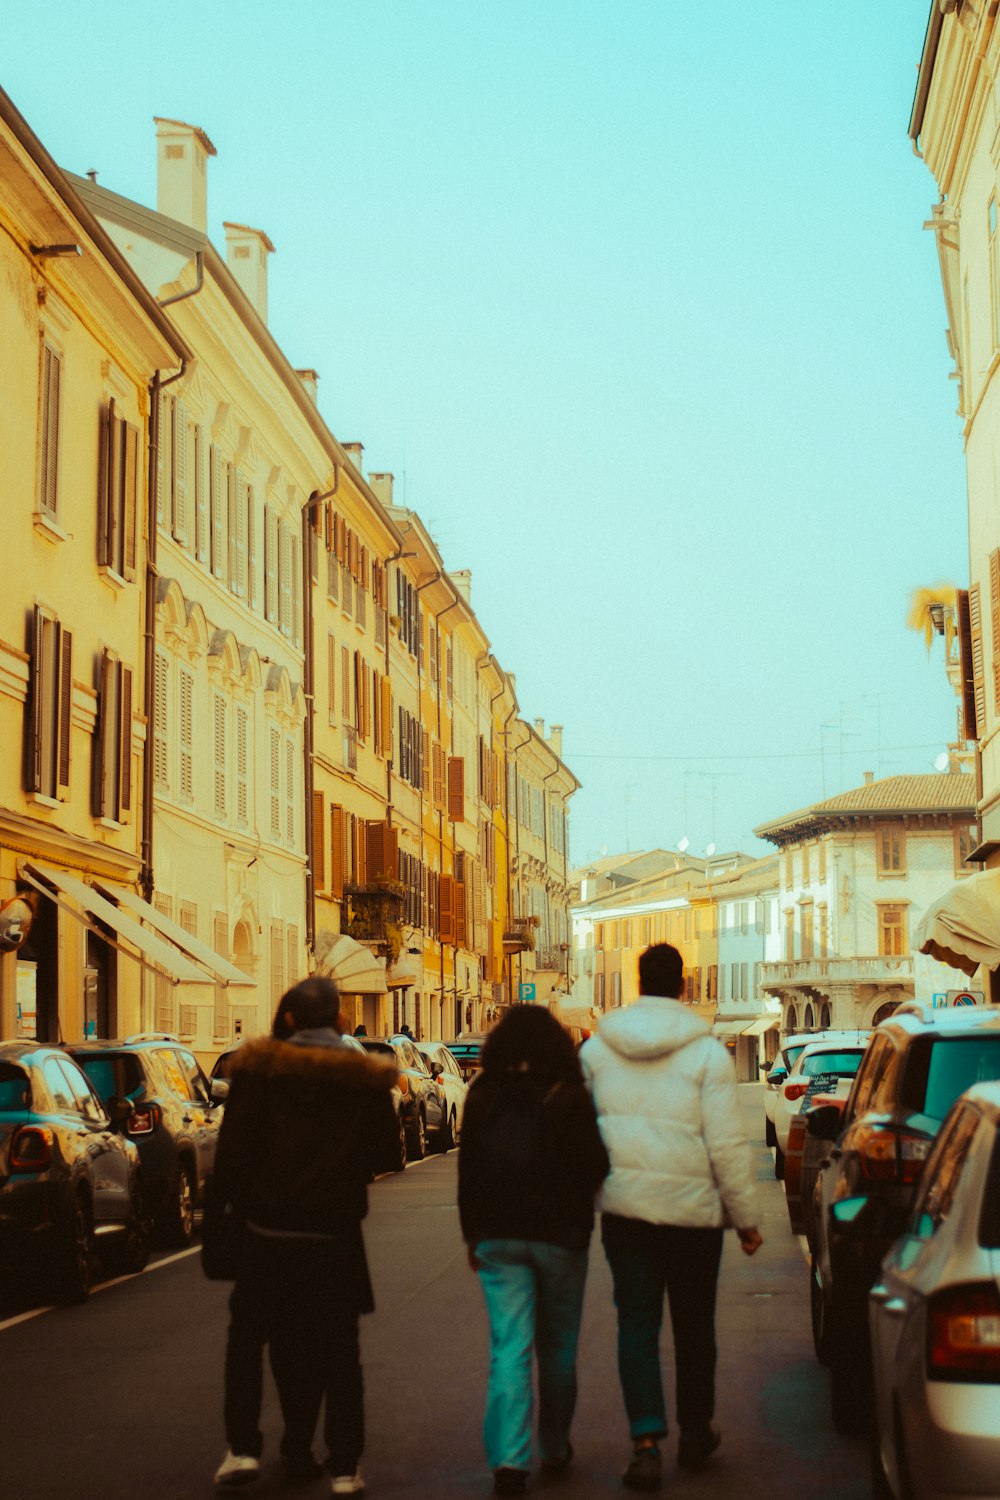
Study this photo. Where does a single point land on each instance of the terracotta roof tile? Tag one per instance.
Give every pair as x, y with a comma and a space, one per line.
952, 792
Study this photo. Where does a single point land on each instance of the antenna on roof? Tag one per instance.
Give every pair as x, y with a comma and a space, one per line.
682, 843
943, 761
710, 851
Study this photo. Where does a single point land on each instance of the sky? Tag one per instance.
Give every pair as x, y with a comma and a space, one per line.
635, 301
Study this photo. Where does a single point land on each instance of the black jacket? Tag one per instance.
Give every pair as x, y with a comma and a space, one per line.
304, 1129
530, 1161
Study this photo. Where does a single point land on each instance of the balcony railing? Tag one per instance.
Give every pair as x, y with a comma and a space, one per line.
551, 956
373, 914
815, 973
519, 935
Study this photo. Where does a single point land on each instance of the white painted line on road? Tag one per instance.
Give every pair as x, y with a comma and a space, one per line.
102, 1286
36, 1312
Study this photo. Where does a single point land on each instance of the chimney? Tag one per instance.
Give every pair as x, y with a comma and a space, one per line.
354, 452
463, 583
246, 256
182, 153
310, 381
555, 740
869, 777
540, 728
382, 485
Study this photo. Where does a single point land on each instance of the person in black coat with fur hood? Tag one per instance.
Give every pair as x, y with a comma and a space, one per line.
308, 1121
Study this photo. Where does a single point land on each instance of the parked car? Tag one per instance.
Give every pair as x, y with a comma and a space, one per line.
820, 1059
781, 1065
466, 1050
422, 1108
934, 1319
70, 1181
916, 1065
174, 1120
448, 1075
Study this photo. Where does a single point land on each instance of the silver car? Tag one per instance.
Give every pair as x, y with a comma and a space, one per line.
934, 1314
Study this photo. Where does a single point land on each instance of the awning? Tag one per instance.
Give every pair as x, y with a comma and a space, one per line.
402, 973
962, 927
223, 972
353, 968
762, 1024
738, 1027
152, 949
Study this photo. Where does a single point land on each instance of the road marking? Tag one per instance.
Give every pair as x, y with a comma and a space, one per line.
102, 1286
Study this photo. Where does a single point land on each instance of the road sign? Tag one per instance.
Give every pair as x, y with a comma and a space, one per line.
939, 1001
966, 997
526, 993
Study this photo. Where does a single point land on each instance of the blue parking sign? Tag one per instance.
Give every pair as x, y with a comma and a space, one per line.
525, 993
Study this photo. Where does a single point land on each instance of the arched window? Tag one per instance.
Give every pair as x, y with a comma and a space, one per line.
824, 1017
808, 1021
791, 1019
884, 1012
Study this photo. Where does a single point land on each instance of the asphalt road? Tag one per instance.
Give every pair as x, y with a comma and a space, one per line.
121, 1399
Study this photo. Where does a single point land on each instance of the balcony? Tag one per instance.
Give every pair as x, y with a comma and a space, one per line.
373, 915
551, 956
821, 973
519, 935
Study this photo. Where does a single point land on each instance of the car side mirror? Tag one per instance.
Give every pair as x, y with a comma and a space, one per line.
764, 1067
776, 1076
824, 1123
119, 1111
219, 1090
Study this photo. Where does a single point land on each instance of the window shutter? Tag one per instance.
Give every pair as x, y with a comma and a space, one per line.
105, 468
456, 789
187, 735
235, 524
242, 767
251, 545
274, 738
164, 439
425, 761
130, 499
290, 790
125, 753
65, 717
293, 952
220, 942
446, 911
967, 678
217, 507
201, 516
461, 935
337, 829
386, 746
331, 679
318, 842
345, 683
978, 674
284, 579
295, 565
181, 473
51, 381
270, 564
102, 737
277, 960
219, 756
359, 693
160, 725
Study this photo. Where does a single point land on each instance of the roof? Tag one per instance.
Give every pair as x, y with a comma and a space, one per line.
892, 796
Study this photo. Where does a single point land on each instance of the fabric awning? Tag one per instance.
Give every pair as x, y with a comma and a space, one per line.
402, 973
762, 1024
737, 1027
153, 950
353, 968
222, 971
962, 927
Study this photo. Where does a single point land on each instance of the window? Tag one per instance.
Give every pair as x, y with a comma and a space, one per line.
616, 989
824, 931
892, 937
219, 756
186, 736
821, 861
890, 849
807, 930
48, 424
274, 772
944, 1171
161, 740
118, 487
789, 934
113, 744
277, 961
789, 869
218, 504
965, 842
49, 707
270, 564
598, 935
805, 864
290, 791
242, 767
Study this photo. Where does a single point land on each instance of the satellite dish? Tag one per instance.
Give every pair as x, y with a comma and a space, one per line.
943, 761
710, 851
682, 843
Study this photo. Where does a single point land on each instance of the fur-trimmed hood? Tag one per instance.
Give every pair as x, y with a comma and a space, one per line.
315, 1058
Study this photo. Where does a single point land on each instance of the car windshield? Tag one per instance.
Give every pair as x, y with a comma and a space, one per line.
15, 1089
953, 1064
111, 1073
792, 1054
845, 1064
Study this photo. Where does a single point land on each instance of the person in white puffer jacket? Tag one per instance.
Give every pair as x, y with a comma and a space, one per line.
665, 1093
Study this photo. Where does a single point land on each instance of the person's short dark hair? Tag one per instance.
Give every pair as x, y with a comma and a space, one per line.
529, 1036
312, 1003
661, 971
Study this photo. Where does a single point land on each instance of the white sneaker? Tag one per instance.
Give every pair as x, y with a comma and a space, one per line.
347, 1484
237, 1468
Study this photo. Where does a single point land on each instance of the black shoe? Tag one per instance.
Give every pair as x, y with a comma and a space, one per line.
510, 1482
644, 1471
555, 1468
301, 1468
696, 1448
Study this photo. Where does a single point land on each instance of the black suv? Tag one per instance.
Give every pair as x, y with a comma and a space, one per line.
914, 1068
69, 1180
174, 1121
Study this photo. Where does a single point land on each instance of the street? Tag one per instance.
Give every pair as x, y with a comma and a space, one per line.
121, 1399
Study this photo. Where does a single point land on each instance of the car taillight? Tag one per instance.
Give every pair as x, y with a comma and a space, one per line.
144, 1119
886, 1155
795, 1090
31, 1149
403, 1084
963, 1333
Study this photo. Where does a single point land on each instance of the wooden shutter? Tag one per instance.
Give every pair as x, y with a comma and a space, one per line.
130, 499
105, 489
49, 444
386, 745
337, 850
181, 474
125, 752
978, 673
446, 908
102, 736
284, 579
217, 501
425, 761
234, 527
331, 679
201, 517
461, 933
35, 716
359, 694
382, 851
251, 544
64, 726
966, 673
270, 565
456, 788
318, 842
187, 735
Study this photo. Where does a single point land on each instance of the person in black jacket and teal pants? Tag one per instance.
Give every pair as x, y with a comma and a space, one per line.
530, 1163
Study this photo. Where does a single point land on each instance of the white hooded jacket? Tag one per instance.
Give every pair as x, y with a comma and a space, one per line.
665, 1093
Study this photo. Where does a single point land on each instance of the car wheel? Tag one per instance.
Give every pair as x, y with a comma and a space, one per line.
417, 1145
446, 1135
770, 1139
177, 1224
128, 1253
817, 1312
779, 1163
73, 1255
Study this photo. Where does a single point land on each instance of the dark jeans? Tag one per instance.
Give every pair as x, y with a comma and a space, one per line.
648, 1260
290, 1294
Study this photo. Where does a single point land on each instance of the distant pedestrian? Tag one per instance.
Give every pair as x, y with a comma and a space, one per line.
530, 1162
665, 1092
361, 1030
308, 1118
404, 1030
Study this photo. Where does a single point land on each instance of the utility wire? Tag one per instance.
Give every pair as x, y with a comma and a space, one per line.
777, 755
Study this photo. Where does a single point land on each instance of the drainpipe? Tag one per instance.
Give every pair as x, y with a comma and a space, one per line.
309, 690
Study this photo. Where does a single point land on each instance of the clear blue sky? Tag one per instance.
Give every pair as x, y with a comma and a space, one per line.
635, 301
